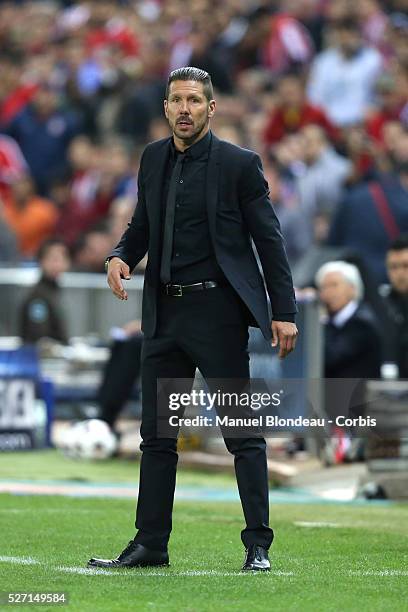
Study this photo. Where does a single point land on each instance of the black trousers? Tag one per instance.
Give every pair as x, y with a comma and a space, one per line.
207, 330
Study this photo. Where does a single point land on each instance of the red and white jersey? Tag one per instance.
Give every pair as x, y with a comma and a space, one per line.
12, 162
288, 43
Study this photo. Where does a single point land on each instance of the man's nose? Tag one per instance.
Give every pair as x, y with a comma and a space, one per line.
184, 107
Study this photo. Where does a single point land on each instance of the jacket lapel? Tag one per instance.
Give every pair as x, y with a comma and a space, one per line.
212, 184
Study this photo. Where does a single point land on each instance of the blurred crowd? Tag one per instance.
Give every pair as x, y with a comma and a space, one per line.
319, 88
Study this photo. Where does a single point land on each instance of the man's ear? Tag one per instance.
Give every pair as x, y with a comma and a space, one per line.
211, 109
165, 109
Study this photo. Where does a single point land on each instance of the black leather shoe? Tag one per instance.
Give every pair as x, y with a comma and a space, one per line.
134, 555
256, 559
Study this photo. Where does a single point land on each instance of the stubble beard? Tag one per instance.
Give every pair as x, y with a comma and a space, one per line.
190, 139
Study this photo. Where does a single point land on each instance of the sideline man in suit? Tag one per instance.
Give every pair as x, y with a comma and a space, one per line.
352, 346
352, 350
395, 298
200, 202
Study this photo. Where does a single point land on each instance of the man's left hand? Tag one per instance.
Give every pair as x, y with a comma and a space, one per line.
285, 334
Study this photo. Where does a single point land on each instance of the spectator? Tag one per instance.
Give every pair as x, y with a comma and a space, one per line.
352, 350
294, 223
292, 112
352, 346
32, 218
199, 50
12, 164
97, 70
396, 301
342, 78
44, 133
370, 217
277, 41
392, 92
107, 27
373, 22
306, 160
41, 315
141, 104
317, 194
116, 164
90, 193
91, 249
397, 35
15, 94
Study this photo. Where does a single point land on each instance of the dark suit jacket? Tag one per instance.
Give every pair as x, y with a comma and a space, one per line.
239, 208
395, 329
358, 226
355, 349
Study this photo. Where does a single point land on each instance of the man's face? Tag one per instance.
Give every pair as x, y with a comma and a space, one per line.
45, 101
336, 292
291, 92
397, 269
56, 261
349, 41
188, 110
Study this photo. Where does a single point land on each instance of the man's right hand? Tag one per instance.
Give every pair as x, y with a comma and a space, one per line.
118, 269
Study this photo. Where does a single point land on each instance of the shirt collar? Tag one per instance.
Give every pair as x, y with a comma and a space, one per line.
342, 316
198, 149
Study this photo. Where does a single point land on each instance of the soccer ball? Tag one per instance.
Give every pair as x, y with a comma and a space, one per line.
91, 439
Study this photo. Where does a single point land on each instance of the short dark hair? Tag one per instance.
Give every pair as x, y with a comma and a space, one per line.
189, 73
49, 244
400, 243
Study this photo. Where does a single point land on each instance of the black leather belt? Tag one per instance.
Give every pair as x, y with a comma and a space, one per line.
174, 290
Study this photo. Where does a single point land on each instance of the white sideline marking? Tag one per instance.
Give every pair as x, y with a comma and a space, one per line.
386, 572
19, 560
47, 510
91, 571
84, 570
316, 524
170, 574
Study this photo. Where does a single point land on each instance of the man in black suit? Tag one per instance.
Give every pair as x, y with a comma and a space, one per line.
352, 347
395, 298
352, 353
200, 202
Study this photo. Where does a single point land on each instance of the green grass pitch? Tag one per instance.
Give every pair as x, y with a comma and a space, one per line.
326, 557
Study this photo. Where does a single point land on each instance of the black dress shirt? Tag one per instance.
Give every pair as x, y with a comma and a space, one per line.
193, 258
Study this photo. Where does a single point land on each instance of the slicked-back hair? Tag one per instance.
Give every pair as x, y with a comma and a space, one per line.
189, 73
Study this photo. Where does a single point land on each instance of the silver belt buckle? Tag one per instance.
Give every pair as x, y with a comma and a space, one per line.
179, 291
